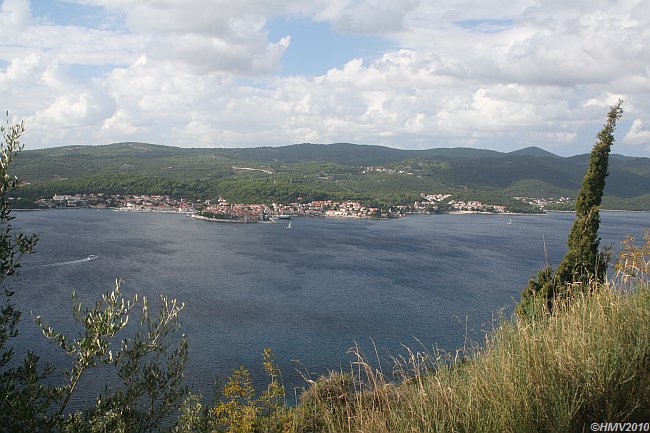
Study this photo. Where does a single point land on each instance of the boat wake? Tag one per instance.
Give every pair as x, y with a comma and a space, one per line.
67, 262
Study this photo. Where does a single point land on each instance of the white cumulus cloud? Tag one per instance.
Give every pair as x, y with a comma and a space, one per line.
496, 74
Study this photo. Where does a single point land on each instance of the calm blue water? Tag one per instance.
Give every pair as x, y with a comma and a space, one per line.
309, 293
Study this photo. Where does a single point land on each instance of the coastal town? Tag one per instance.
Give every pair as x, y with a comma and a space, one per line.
223, 210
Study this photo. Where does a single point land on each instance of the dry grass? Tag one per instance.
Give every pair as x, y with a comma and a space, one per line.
589, 362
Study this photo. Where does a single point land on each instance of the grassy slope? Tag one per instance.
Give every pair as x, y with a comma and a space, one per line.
589, 363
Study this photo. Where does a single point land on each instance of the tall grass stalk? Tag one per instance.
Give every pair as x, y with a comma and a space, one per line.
587, 362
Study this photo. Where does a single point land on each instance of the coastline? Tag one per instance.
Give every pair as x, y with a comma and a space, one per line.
469, 212
234, 221
622, 210
355, 217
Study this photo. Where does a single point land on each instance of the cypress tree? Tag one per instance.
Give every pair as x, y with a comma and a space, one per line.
584, 263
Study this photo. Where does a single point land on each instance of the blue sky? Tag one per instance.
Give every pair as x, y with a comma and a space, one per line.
316, 47
408, 74
68, 13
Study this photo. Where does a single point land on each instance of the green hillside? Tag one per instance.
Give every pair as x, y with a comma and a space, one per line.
337, 171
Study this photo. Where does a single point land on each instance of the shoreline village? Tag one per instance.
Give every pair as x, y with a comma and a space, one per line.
223, 210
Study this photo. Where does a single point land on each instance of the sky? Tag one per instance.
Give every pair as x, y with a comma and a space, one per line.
409, 74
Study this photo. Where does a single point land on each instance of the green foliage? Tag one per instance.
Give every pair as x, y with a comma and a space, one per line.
540, 288
122, 159
26, 398
639, 203
569, 206
216, 216
241, 412
238, 409
149, 368
195, 417
314, 172
149, 364
122, 185
273, 415
583, 263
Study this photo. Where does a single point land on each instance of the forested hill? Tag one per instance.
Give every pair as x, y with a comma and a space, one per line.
339, 170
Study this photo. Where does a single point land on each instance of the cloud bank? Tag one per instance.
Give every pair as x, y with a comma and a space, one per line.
498, 74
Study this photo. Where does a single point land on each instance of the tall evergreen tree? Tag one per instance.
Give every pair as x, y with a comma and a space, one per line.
584, 263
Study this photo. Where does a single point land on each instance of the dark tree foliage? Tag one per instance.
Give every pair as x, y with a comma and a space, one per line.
149, 364
584, 263
25, 399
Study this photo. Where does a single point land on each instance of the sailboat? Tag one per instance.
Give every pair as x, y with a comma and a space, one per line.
289, 226
509, 221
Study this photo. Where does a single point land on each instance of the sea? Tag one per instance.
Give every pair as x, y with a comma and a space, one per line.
310, 292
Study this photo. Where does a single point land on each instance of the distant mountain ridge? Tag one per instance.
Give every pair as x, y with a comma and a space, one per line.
533, 151
344, 153
339, 152
526, 172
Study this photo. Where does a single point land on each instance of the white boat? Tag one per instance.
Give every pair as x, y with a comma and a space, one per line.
289, 226
92, 257
509, 221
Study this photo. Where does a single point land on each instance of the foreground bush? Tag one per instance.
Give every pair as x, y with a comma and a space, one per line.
148, 359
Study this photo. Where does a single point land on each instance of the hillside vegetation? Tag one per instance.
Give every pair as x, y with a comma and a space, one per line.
315, 171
